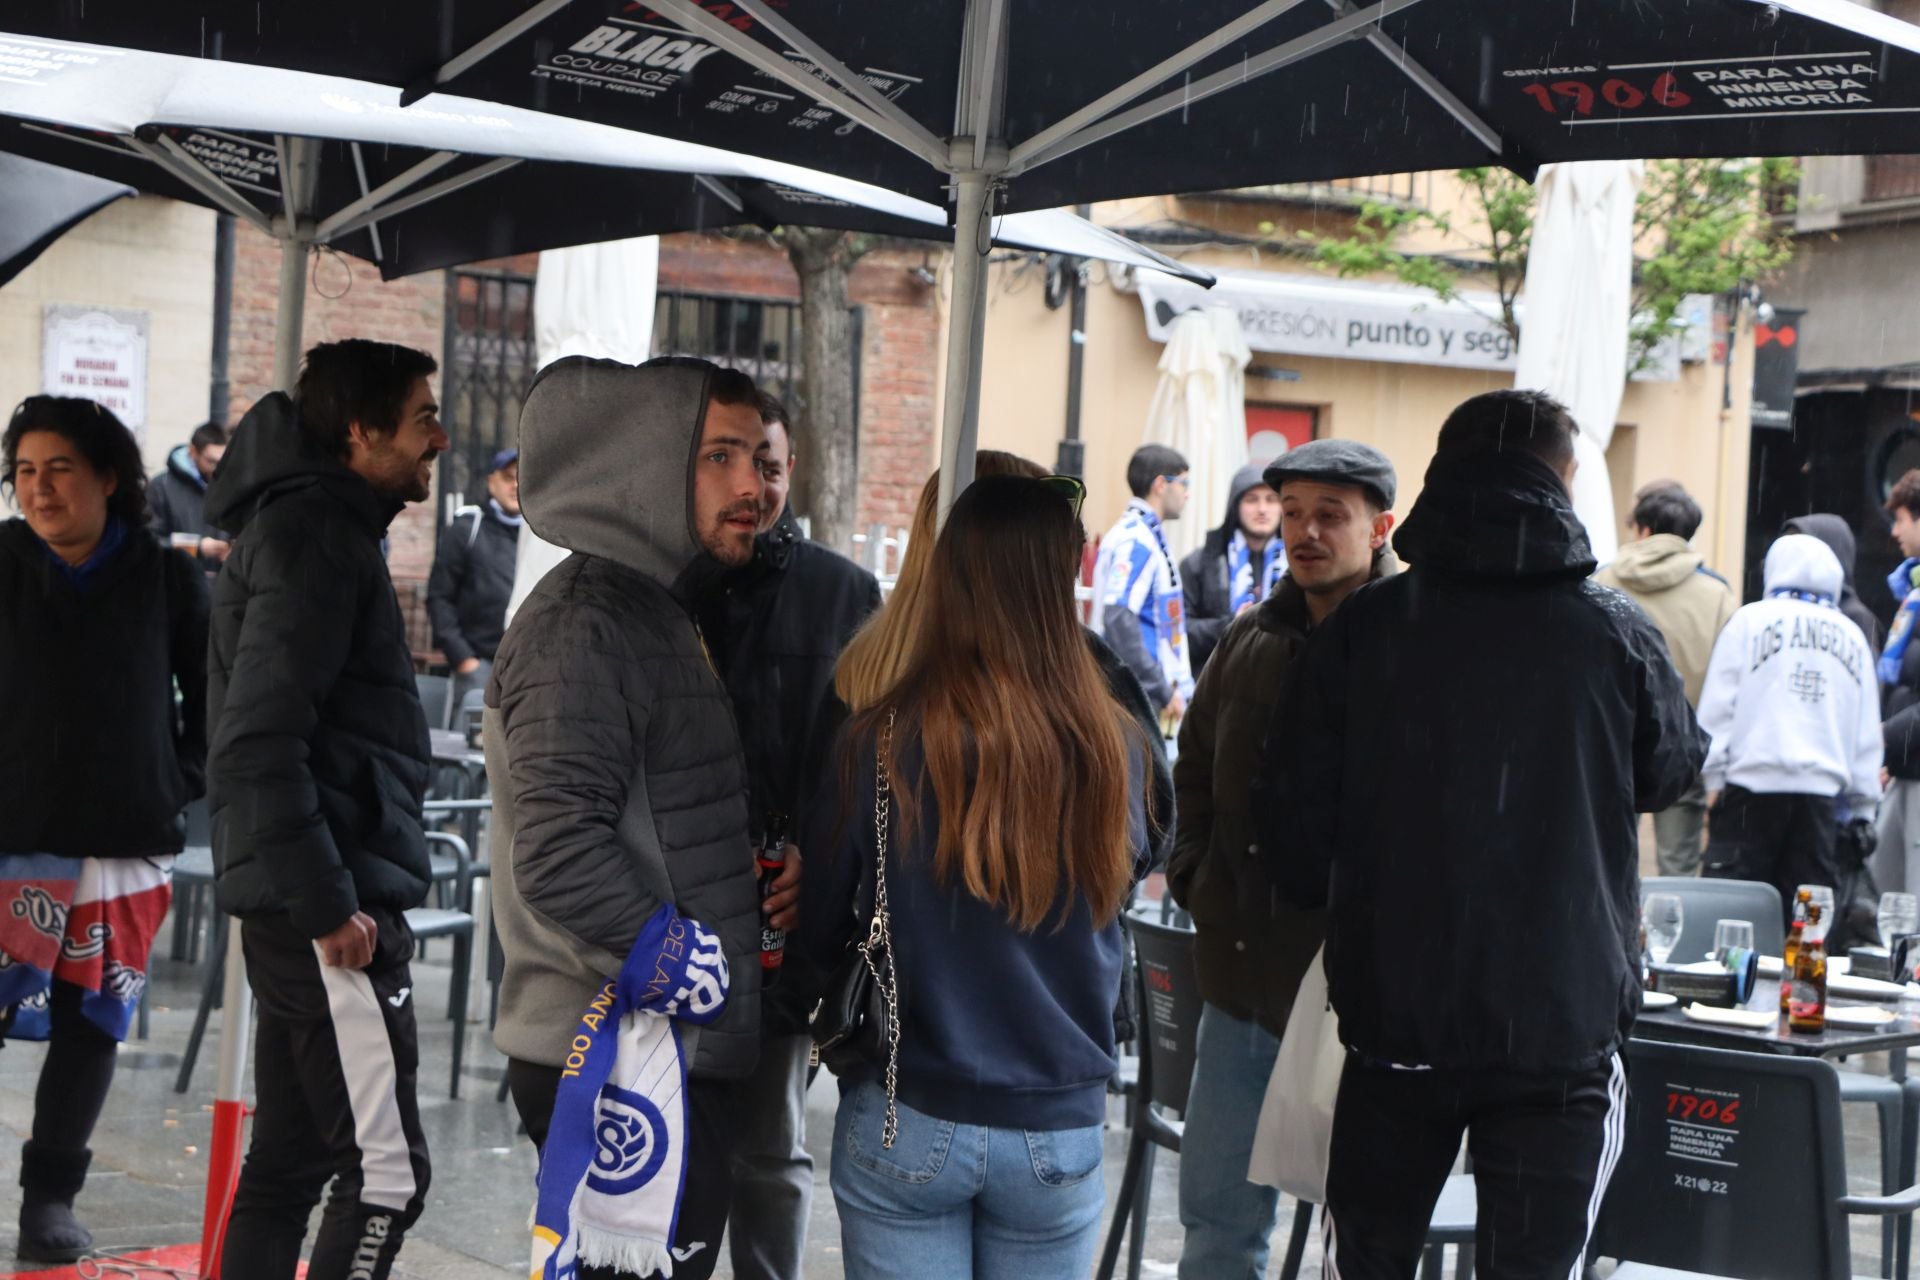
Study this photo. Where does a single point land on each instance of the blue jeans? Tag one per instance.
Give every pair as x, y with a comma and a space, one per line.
1229, 1221
959, 1201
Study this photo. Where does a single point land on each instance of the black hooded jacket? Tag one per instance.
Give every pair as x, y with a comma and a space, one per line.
98, 761
776, 627
177, 499
1834, 531
472, 582
1205, 579
1456, 772
319, 754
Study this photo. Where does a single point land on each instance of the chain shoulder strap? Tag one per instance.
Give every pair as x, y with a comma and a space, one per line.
880, 931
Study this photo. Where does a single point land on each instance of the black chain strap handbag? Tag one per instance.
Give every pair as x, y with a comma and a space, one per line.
858, 1022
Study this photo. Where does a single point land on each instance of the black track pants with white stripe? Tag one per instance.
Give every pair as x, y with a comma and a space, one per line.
336, 1054
1543, 1148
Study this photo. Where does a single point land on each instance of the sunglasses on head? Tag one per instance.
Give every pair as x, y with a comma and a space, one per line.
1069, 488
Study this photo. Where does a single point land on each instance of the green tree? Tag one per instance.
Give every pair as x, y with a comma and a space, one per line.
1700, 226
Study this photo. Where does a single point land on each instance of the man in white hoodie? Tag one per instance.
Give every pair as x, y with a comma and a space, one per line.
1794, 710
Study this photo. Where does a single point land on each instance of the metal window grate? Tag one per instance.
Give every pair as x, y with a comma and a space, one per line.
489, 365
759, 337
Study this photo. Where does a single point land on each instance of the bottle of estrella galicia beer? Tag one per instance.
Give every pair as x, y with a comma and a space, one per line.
772, 859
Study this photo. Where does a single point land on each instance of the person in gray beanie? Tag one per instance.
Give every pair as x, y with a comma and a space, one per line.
1251, 948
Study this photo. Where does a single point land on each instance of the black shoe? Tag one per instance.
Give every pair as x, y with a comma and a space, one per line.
50, 1233
50, 1178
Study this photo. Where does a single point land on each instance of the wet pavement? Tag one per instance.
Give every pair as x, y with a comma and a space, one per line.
151, 1152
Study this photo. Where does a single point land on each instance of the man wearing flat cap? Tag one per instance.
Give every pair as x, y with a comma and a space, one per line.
1252, 948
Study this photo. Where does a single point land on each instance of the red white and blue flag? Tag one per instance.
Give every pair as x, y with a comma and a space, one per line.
86, 921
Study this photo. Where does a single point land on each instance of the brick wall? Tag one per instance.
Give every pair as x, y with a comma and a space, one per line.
899, 360
345, 299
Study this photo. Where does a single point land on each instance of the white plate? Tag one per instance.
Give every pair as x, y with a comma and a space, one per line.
1859, 1016
1751, 1019
1658, 1000
1770, 966
1865, 988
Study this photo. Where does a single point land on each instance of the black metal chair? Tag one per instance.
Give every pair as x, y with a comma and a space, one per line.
1170, 1005
436, 699
1757, 1195
1709, 900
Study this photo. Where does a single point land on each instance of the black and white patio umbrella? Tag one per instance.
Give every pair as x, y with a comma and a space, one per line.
1000, 106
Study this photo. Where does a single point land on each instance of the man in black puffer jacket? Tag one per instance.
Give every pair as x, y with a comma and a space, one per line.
318, 763
1455, 773
618, 780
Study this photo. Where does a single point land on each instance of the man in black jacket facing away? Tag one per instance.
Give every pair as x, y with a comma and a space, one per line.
318, 763
776, 627
1455, 774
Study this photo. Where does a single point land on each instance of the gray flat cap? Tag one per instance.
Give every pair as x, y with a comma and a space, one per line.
1337, 462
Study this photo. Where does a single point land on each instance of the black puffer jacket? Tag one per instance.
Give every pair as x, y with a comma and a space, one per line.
618, 780
320, 755
177, 499
776, 628
1205, 578
97, 760
1456, 772
472, 580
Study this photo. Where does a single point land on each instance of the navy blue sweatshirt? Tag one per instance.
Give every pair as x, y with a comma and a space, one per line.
1001, 1028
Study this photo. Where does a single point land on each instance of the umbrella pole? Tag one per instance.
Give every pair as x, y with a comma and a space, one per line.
292, 313
966, 326
229, 1096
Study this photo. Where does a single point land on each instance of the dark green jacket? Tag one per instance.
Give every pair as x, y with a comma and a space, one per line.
1252, 948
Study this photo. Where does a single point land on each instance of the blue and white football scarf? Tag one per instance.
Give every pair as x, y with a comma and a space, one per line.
1808, 597
1904, 582
1140, 575
1240, 573
615, 1161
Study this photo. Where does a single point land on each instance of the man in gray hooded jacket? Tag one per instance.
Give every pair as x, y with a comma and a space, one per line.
619, 783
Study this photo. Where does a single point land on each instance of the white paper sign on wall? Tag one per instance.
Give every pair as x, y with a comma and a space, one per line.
98, 353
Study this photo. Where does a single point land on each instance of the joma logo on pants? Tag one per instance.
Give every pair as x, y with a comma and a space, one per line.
366, 1257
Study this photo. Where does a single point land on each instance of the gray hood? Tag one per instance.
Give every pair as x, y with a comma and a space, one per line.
606, 463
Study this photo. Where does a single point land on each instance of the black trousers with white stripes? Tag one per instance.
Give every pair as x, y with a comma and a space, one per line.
1543, 1148
336, 1055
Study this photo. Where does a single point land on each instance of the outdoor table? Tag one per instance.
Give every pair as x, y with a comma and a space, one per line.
450, 748
1896, 1037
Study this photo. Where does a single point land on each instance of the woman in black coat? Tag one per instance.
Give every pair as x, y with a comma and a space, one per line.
103, 636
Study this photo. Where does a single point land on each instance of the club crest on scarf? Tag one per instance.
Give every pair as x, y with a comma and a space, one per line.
630, 1142
614, 1165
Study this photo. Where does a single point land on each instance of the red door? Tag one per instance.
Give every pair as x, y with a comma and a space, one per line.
1274, 428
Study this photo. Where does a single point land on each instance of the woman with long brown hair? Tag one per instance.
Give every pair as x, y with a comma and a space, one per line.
1009, 787
875, 658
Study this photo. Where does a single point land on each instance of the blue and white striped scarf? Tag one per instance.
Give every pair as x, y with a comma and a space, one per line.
1240, 575
614, 1164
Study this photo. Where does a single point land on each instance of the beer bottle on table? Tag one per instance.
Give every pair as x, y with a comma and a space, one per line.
772, 859
1801, 902
1808, 1013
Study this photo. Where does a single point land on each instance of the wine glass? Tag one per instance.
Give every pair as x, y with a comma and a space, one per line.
1730, 936
1899, 916
1663, 914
